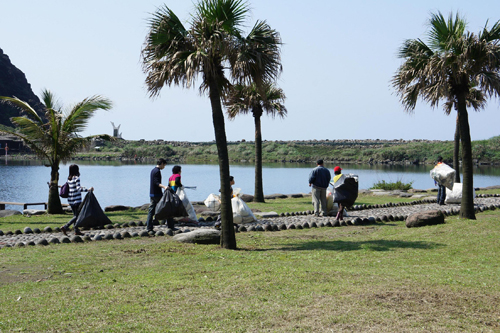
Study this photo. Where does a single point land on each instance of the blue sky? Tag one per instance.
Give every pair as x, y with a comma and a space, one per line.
338, 59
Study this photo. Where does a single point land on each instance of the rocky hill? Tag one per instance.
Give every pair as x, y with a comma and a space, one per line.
13, 82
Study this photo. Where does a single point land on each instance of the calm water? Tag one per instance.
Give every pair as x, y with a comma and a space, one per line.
128, 184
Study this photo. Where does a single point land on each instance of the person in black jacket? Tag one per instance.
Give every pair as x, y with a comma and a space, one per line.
155, 192
319, 179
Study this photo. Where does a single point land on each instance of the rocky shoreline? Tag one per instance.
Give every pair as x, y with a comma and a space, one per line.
359, 215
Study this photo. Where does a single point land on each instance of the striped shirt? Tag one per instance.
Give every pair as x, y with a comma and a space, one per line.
75, 195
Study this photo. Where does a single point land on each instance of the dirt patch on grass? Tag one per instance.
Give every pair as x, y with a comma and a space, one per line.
423, 309
9, 275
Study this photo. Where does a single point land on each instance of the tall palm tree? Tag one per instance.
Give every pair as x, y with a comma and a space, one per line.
450, 64
475, 99
55, 140
215, 50
242, 99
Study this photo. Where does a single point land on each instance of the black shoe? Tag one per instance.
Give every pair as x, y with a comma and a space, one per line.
78, 232
64, 230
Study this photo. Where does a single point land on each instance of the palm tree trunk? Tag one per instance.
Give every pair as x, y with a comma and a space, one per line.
456, 152
228, 237
259, 188
54, 203
467, 205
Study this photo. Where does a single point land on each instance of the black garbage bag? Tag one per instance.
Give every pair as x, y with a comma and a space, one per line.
91, 214
170, 205
345, 190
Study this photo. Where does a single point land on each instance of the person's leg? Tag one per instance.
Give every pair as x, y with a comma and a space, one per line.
441, 194
170, 223
151, 212
74, 209
323, 202
341, 212
315, 200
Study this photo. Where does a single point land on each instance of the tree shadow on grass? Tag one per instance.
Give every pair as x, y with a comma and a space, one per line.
374, 245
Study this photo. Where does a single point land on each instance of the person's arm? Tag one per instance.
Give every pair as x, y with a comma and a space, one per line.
312, 177
157, 180
78, 187
178, 182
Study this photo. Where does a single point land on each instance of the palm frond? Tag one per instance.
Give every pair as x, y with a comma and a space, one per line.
229, 13
444, 32
23, 107
257, 57
79, 116
242, 99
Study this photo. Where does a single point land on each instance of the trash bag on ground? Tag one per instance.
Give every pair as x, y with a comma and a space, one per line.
332, 207
455, 196
187, 204
241, 212
170, 205
444, 175
213, 202
345, 189
91, 214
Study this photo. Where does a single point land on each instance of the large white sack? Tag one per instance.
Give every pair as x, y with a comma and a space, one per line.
187, 204
241, 212
212, 202
444, 175
455, 196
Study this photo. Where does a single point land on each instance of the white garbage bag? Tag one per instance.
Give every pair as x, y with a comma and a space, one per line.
444, 175
241, 212
187, 204
455, 196
213, 202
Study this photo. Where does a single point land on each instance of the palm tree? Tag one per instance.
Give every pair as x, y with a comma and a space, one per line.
215, 50
475, 99
242, 99
450, 64
56, 139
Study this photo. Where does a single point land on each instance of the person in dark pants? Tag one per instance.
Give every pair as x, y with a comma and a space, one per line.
319, 179
74, 197
155, 192
441, 197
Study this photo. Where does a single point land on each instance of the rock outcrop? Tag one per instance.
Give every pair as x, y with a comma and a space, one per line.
13, 82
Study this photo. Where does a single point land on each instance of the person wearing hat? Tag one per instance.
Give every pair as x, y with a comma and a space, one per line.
337, 171
319, 179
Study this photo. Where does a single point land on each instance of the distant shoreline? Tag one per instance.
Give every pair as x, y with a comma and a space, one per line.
366, 152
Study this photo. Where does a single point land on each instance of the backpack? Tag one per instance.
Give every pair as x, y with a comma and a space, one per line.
64, 192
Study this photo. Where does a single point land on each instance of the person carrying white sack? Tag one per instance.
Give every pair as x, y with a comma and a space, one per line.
241, 212
441, 196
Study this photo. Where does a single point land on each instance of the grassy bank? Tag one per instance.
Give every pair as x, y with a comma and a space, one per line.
354, 151
382, 277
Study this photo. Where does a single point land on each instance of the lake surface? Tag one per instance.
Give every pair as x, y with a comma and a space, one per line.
127, 184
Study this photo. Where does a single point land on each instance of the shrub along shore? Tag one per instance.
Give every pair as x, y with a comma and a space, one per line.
405, 152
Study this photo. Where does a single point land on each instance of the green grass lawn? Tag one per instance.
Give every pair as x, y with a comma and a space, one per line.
382, 277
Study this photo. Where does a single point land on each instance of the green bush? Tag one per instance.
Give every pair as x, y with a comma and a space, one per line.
389, 186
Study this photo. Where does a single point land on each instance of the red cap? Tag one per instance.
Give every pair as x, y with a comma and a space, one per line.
337, 169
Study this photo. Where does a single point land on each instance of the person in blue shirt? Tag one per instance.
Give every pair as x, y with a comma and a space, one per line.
319, 179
